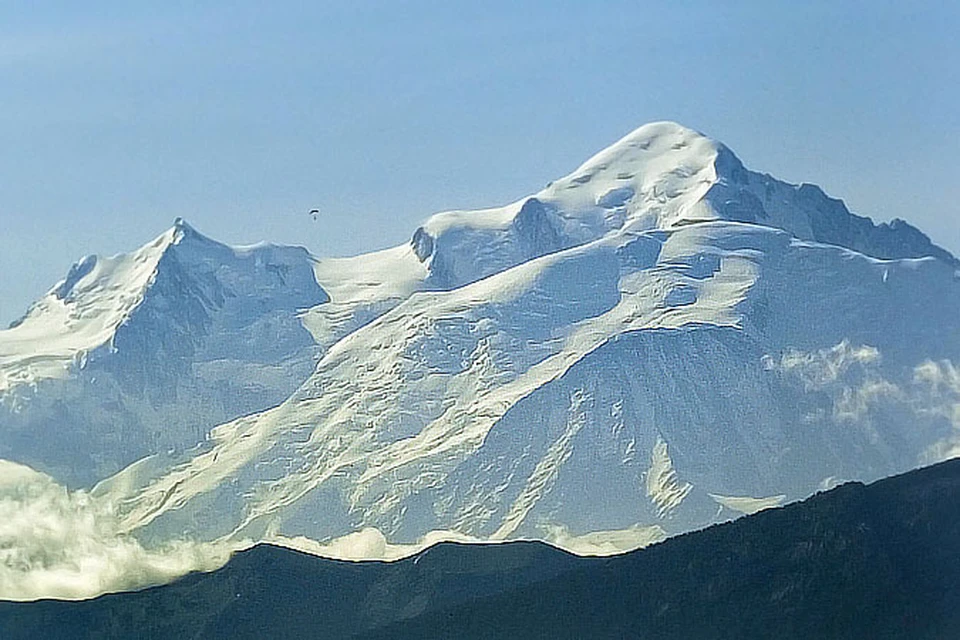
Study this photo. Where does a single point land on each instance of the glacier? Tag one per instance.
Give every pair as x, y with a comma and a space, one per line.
660, 340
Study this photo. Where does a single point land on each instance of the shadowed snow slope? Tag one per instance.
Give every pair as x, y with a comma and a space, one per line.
660, 340
141, 352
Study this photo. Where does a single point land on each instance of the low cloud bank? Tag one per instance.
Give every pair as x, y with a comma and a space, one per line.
56, 543
371, 544
367, 544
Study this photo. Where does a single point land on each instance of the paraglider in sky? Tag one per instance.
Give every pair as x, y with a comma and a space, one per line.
314, 213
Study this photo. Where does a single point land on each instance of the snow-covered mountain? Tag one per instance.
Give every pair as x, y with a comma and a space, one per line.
144, 352
660, 339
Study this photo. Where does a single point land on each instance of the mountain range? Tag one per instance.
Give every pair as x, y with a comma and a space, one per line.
661, 340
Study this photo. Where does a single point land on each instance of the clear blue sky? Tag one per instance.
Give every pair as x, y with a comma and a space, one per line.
116, 117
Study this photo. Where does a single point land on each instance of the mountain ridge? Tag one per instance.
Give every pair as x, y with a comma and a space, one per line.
659, 176
535, 220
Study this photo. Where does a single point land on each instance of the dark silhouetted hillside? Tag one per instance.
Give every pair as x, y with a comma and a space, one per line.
877, 561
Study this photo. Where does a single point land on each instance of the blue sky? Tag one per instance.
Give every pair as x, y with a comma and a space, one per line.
117, 117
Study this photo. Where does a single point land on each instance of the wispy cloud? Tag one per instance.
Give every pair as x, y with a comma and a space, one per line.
852, 377
939, 387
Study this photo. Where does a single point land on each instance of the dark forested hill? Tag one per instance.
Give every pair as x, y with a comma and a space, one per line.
878, 561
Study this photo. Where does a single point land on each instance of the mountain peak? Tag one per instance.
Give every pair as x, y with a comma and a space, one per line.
651, 132
661, 175
645, 152
664, 175
182, 228
662, 134
181, 231
181, 271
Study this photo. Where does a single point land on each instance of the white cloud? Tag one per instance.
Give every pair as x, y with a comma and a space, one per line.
818, 369
746, 504
367, 544
853, 403
938, 387
852, 378
56, 543
371, 544
850, 375
605, 543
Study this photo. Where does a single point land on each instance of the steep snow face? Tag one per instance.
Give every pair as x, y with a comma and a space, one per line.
79, 314
147, 350
810, 214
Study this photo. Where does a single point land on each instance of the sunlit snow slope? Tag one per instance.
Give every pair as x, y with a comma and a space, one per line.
656, 341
